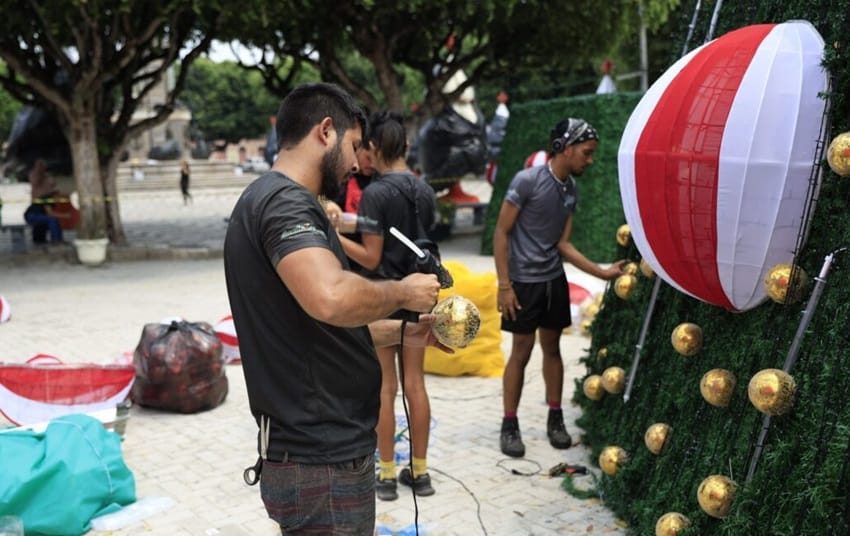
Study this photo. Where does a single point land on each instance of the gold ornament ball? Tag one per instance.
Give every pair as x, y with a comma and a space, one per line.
631, 268
771, 391
785, 283
592, 387
715, 495
584, 326
624, 233
657, 437
591, 311
717, 386
458, 321
602, 354
600, 296
614, 380
671, 523
624, 285
611, 459
687, 338
838, 154
646, 269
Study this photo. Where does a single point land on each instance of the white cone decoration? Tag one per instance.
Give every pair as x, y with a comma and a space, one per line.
715, 161
226, 332
5, 310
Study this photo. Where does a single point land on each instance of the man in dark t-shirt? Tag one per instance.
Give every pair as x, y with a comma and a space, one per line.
307, 326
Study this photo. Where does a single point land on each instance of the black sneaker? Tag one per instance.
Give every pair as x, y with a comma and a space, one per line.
421, 485
386, 489
557, 432
510, 440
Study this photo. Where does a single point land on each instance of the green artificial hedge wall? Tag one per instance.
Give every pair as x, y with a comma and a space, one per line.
802, 481
600, 211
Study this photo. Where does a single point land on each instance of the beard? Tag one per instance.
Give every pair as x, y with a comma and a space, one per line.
332, 177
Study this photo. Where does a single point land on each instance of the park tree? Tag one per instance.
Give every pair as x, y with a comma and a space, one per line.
425, 42
226, 102
92, 63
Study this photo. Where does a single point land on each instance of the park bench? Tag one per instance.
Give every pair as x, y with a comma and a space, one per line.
18, 233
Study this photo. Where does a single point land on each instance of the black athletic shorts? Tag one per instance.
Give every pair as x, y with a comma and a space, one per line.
544, 305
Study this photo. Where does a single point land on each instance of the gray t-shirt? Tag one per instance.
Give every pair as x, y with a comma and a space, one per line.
544, 204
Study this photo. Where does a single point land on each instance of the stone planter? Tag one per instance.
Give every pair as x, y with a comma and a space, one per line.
91, 252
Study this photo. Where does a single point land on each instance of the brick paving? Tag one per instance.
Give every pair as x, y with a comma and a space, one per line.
172, 267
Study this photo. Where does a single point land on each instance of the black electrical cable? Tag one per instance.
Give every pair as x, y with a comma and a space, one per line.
409, 424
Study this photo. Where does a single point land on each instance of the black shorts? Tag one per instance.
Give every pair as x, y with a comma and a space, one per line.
544, 305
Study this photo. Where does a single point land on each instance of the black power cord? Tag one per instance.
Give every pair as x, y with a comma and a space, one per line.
409, 424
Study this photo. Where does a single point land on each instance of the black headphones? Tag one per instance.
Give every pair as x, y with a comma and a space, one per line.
572, 132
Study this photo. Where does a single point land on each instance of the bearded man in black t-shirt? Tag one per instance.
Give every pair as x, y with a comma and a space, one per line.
308, 326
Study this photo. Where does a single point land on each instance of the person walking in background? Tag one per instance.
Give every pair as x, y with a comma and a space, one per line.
308, 326
184, 182
531, 241
389, 201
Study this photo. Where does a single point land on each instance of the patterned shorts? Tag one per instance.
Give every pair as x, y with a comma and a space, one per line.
331, 499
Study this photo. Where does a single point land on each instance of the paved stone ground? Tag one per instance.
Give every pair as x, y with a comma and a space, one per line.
85, 314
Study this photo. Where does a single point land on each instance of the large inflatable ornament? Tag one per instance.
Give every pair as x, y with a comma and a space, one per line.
715, 161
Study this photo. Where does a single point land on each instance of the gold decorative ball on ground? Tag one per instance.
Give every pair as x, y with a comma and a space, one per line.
457, 323
631, 268
646, 269
624, 233
785, 283
614, 380
671, 524
771, 391
611, 459
687, 338
657, 437
717, 386
624, 285
592, 387
715, 495
838, 154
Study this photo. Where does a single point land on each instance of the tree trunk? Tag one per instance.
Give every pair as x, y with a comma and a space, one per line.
82, 138
108, 178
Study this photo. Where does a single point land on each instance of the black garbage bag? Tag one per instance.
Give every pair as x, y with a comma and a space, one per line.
179, 367
450, 146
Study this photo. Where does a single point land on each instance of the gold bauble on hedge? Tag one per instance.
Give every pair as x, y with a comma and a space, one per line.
592, 387
624, 285
687, 338
671, 524
624, 233
584, 326
591, 310
717, 386
631, 268
599, 298
657, 437
771, 391
614, 380
602, 354
715, 495
457, 323
786, 284
646, 269
611, 459
838, 154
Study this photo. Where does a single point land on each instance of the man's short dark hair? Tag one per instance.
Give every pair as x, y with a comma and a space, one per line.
308, 104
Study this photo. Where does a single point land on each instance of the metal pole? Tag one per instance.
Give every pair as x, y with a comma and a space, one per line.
714, 17
811, 305
644, 57
639, 346
691, 27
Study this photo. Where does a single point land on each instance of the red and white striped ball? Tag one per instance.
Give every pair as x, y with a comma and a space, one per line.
226, 332
715, 161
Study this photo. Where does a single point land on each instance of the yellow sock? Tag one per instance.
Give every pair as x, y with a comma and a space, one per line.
420, 466
387, 469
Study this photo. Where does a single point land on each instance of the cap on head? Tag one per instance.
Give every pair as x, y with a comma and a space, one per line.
570, 132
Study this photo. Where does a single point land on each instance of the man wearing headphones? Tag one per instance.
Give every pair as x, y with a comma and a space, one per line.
530, 243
